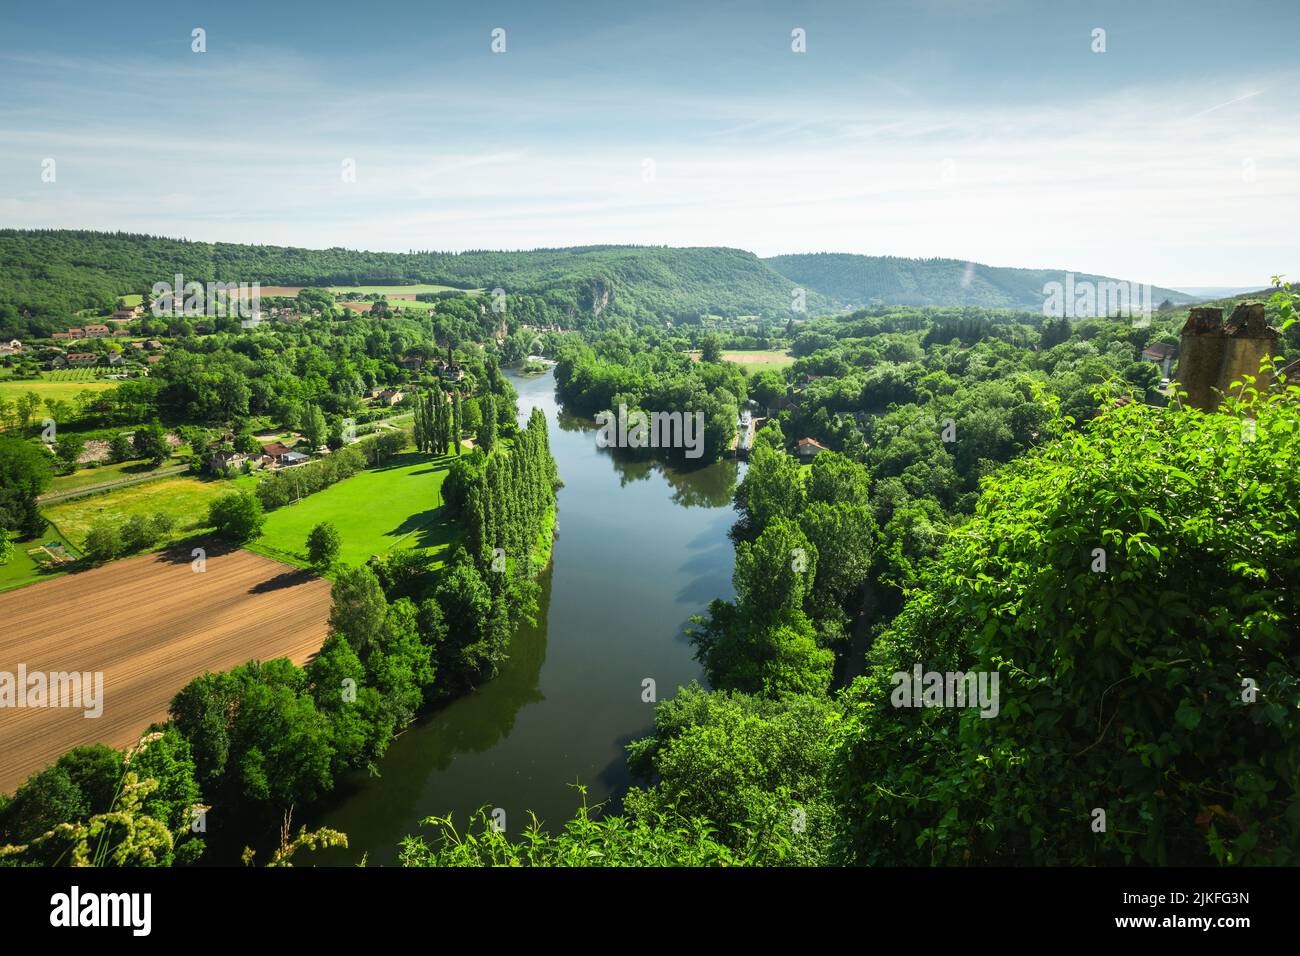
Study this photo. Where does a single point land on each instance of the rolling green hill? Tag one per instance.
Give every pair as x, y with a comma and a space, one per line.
887, 280
51, 274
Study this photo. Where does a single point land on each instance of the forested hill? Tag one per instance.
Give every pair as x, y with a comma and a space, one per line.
887, 280
54, 273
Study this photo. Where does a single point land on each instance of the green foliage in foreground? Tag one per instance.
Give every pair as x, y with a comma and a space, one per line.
659, 840
756, 767
1125, 689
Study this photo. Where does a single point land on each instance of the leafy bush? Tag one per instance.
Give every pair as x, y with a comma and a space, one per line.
1161, 689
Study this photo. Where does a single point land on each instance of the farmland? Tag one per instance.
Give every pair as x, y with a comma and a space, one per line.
756, 360
63, 385
395, 506
149, 624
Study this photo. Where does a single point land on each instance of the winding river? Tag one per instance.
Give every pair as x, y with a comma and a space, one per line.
641, 548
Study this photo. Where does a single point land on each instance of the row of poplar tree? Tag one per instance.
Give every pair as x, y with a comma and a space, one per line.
506, 497
437, 422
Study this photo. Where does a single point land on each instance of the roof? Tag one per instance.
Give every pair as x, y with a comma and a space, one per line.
1161, 350
810, 443
275, 449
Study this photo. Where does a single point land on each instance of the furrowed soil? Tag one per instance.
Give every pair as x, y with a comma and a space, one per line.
150, 624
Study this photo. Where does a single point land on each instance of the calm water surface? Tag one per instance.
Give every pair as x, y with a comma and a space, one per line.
641, 548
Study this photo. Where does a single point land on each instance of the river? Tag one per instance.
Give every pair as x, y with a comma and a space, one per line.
641, 548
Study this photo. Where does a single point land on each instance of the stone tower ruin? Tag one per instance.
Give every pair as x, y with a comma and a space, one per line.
1214, 353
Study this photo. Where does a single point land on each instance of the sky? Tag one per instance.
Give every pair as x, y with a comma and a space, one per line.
991, 131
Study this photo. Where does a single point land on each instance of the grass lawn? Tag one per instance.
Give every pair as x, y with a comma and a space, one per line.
24, 569
396, 506
63, 385
755, 361
183, 497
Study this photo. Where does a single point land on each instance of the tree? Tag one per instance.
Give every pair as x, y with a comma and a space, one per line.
103, 543
359, 607
313, 427
711, 348
323, 546
487, 433
772, 488
237, 516
764, 642
1138, 610
24, 474
120, 448
25, 405
7, 549
68, 448
754, 767
150, 443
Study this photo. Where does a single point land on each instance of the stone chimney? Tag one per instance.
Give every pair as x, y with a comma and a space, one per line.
1214, 353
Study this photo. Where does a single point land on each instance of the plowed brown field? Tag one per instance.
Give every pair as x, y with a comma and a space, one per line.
150, 624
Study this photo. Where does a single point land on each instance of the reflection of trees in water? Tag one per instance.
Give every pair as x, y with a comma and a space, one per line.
707, 486
693, 486
377, 814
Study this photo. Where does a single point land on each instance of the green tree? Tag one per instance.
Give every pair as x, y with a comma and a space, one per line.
103, 543
24, 473
323, 544
237, 516
68, 448
120, 448
313, 427
150, 442
359, 607
1139, 612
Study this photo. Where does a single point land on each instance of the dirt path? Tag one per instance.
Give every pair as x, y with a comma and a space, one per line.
52, 496
150, 624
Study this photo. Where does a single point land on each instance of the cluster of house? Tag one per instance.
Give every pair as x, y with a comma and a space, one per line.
12, 347
272, 455
89, 332
113, 359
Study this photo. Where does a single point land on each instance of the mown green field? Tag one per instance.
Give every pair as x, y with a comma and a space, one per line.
185, 498
396, 506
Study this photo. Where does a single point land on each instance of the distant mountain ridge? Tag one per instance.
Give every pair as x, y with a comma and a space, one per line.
888, 280
47, 276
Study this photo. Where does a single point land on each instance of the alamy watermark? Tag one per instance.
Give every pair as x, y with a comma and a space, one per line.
946, 689
642, 429
1086, 299
70, 689
191, 299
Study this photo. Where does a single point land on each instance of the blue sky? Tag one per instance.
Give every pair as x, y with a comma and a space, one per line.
987, 131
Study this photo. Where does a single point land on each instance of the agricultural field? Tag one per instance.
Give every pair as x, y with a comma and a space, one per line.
149, 624
755, 360
395, 290
59, 385
396, 506
183, 497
